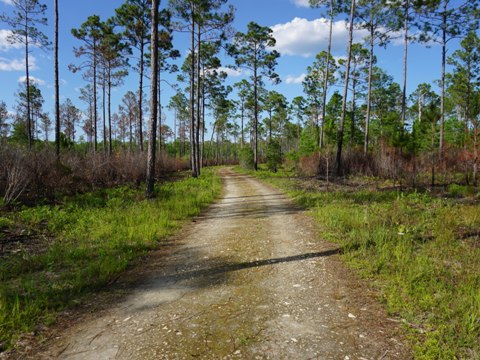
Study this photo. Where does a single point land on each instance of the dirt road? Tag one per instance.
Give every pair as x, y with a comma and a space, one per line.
249, 279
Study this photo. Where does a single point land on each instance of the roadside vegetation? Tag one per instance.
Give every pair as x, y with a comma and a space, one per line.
420, 250
81, 244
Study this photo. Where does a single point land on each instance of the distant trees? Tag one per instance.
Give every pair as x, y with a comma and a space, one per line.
319, 77
377, 19
28, 15
464, 89
113, 59
4, 116
90, 34
333, 6
251, 51
443, 21
243, 92
70, 116
345, 90
134, 17
29, 99
204, 21
248, 118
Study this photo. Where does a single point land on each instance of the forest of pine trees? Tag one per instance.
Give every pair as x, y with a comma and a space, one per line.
352, 117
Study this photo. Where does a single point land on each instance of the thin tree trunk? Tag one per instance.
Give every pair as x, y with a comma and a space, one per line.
203, 118
442, 95
150, 193
327, 74
95, 114
369, 94
193, 161
27, 82
405, 55
475, 153
175, 134
140, 100
270, 127
159, 106
57, 88
104, 109
109, 102
130, 133
198, 90
242, 139
352, 128
433, 155
345, 92
255, 120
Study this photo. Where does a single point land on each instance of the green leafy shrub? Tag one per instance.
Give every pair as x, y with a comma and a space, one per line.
247, 160
274, 155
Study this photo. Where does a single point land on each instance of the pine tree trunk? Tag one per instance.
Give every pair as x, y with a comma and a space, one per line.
242, 139
327, 74
95, 114
150, 193
352, 128
255, 120
369, 94
57, 89
193, 160
345, 92
109, 102
198, 109
140, 100
405, 56
104, 109
159, 111
27, 82
442, 95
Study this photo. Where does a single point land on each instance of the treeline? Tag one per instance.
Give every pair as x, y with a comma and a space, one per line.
372, 126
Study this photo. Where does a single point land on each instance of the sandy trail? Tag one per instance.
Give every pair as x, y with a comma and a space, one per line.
249, 279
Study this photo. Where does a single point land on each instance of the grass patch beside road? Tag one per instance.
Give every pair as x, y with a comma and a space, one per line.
421, 252
93, 238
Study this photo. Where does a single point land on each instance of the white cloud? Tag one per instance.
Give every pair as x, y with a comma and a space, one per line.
33, 79
231, 72
11, 65
4, 44
8, 2
301, 37
301, 3
294, 79
16, 64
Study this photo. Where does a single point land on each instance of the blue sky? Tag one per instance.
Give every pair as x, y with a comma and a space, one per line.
299, 30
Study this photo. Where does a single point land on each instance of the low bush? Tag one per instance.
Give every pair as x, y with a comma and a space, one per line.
247, 160
30, 176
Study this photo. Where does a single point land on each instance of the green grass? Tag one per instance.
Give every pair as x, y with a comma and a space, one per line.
95, 237
421, 253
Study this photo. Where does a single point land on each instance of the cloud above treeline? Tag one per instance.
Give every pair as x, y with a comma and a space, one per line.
302, 37
290, 79
8, 2
301, 3
17, 64
32, 79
